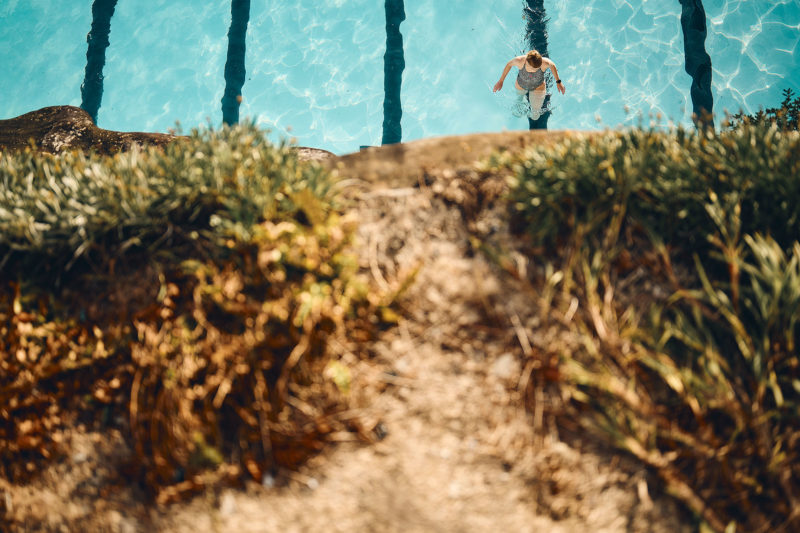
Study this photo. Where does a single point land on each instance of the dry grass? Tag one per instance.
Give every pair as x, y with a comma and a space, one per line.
185, 295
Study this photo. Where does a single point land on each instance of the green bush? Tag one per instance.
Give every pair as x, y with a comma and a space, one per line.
679, 268
659, 183
193, 195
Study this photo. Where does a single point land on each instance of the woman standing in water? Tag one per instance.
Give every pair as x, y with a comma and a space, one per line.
530, 79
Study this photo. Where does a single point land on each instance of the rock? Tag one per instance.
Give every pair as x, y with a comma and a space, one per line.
313, 154
407, 164
58, 128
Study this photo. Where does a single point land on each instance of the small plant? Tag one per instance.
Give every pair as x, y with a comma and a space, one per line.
786, 117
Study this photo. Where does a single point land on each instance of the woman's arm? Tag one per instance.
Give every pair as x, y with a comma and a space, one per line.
499, 84
559, 83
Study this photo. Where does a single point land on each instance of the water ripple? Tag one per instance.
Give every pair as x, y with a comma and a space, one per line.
315, 69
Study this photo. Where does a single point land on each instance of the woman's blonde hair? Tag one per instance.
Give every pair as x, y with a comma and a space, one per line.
534, 58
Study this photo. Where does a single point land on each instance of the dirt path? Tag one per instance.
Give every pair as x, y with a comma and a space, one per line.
458, 452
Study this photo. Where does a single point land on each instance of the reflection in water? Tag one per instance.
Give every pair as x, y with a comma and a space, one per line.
698, 62
393, 65
92, 86
234, 66
536, 37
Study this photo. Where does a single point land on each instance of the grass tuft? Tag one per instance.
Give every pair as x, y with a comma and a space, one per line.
673, 267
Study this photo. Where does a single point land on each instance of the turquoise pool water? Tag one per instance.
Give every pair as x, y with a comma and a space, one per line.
315, 69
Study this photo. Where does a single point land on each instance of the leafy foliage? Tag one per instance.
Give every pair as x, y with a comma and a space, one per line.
678, 266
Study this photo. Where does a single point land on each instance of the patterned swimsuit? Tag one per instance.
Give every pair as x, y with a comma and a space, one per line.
530, 80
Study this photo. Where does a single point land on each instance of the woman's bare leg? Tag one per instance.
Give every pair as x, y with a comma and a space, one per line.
536, 98
522, 105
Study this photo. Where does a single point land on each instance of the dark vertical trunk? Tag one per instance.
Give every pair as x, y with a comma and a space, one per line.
698, 62
234, 65
92, 86
536, 37
393, 65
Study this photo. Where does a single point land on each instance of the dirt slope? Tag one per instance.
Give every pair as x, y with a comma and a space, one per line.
458, 452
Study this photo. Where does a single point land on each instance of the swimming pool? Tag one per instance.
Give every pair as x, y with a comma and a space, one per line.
315, 69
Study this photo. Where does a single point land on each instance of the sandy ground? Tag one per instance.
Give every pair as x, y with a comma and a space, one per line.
457, 453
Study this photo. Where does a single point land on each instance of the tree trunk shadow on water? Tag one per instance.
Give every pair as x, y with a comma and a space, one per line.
98, 40
393, 66
235, 71
698, 62
536, 37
